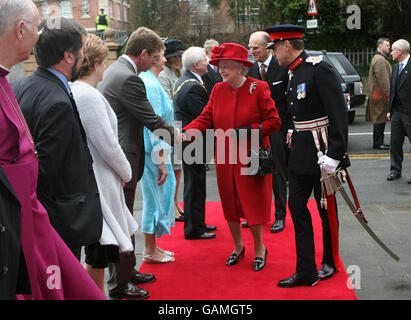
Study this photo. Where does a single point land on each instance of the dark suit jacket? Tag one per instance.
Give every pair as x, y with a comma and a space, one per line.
11, 263
189, 100
404, 87
277, 79
126, 93
210, 79
66, 184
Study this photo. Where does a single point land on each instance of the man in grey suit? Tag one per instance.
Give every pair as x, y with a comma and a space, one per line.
126, 93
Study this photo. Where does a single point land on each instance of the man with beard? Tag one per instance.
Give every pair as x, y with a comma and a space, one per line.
66, 184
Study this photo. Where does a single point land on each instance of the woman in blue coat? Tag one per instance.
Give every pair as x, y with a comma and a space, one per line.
158, 182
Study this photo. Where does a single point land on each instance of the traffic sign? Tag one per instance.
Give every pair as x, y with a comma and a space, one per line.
312, 24
312, 8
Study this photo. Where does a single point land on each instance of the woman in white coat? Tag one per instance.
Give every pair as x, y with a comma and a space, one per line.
110, 165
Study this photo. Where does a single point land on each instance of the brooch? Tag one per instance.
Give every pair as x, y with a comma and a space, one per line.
253, 85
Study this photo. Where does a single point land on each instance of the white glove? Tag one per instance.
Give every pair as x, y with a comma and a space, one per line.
328, 164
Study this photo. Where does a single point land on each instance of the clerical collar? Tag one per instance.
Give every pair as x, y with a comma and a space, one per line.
4, 71
131, 61
296, 63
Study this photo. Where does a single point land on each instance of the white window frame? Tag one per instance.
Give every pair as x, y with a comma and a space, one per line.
66, 9
85, 8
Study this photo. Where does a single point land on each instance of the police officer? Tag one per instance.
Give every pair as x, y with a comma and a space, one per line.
318, 143
102, 23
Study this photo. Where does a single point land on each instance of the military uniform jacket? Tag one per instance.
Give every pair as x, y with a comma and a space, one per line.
314, 92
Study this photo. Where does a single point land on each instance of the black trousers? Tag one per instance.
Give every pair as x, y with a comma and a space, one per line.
378, 134
300, 189
279, 154
400, 128
194, 198
120, 273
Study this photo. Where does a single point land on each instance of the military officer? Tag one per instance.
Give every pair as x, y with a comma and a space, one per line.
318, 142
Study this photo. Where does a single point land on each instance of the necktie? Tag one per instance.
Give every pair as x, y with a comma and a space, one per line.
400, 68
262, 71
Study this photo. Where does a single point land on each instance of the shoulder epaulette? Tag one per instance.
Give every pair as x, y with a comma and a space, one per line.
314, 59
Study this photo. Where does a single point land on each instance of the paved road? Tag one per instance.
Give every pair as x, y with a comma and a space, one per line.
387, 205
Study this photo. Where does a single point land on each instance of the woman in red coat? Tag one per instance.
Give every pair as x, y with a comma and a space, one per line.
239, 102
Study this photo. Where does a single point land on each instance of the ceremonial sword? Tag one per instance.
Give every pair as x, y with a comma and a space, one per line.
332, 183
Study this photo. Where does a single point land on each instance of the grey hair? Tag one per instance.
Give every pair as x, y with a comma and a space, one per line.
191, 56
402, 45
243, 68
210, 44
263, 36
13, 10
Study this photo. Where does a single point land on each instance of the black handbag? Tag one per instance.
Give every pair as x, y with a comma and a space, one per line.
262, 157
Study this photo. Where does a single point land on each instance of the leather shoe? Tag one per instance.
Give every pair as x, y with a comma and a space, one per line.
204, 236
180, 219
244, 224
278, 226
383, 147
233, 259
294, 281
259, 263
130, 292
326, 272
210, 228
140, 278
393, 176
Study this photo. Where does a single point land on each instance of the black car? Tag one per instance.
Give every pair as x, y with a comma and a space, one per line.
351, 82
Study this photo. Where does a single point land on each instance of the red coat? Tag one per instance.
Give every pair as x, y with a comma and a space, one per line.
242, 196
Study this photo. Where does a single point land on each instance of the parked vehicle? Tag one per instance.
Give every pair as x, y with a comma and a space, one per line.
351, 82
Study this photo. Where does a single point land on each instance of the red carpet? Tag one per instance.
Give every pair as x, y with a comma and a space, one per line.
200, 273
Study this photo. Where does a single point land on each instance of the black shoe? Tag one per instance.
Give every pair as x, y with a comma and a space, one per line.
259, 263
204, 236
233, 259
210, 228
278, 226
140, 278
244, 224
180, 219
383, 147
294, 281
409, 181
326, 272
393, 175
130, 292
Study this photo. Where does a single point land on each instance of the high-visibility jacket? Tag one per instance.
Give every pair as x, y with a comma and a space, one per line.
102, 22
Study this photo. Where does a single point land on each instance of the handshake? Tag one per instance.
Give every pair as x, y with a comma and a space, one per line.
181, 136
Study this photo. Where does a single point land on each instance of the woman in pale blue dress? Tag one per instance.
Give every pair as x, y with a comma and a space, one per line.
158, 189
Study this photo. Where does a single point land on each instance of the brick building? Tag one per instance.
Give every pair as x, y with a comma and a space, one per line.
86, 11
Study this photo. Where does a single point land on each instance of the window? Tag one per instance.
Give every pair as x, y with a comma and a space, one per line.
118, 11
111, 9
45, 10
125, 12
66, 9
85, 9
337, 65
